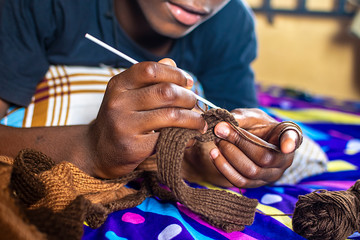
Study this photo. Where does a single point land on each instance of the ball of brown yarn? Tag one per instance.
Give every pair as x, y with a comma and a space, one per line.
328, 214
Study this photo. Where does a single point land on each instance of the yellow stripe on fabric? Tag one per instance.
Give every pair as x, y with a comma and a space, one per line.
210, 186
40, 113
286, 220
67, 96
25, 117
95, 82
340, 165
54, 98
46, 96
61, 96
317, 115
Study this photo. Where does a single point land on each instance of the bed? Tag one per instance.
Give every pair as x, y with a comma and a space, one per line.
334, 125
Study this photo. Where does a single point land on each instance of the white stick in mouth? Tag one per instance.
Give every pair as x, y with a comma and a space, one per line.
133, 61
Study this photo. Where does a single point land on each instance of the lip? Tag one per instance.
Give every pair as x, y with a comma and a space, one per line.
186, 15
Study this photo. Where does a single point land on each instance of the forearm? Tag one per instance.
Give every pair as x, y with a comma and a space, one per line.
68, 143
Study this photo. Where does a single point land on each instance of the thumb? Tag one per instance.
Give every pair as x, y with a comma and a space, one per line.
168, 61
288, 141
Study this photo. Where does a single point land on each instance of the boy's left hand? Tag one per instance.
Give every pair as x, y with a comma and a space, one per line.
247, 165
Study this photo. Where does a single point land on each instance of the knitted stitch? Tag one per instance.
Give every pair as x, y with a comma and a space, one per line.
222, 209
58, 198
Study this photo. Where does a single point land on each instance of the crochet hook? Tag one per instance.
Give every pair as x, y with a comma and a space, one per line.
133, 61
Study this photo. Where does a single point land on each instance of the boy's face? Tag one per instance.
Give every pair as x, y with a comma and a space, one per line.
176, 18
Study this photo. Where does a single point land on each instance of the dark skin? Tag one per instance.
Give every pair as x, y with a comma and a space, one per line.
150, 96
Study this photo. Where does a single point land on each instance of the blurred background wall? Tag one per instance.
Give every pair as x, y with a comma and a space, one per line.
307, 50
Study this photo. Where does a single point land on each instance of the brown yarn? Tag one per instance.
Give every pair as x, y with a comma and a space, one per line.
39, 183
13, 221
222, 209
328, 214
58, 198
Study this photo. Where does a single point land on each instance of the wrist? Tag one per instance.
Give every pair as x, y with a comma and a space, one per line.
81, 151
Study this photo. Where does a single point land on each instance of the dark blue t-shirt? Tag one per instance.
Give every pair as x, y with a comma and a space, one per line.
37, 33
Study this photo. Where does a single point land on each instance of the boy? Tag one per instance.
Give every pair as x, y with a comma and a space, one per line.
213, 39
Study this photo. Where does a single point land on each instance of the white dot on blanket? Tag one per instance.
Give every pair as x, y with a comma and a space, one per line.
352, 147
170, 232
271, 198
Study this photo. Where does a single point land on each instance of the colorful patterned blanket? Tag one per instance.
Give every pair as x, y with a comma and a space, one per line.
72, 95
335, 126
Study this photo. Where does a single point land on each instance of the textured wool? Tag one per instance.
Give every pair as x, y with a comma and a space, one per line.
328, 215
58, 198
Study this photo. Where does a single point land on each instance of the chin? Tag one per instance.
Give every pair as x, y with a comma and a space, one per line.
175, 31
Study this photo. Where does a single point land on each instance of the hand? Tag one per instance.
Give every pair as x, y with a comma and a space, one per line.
248, 165
137, 103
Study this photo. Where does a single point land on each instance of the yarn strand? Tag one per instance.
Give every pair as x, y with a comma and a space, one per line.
328, 214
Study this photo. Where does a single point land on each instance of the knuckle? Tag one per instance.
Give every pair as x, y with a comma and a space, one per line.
267, 159
253, 172
240, 182
113, 105
173, 114
126, 146
167, 92
117, 82
236, 138
258, 111
111, 83
150, 69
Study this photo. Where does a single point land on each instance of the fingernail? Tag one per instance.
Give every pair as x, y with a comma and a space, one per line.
222, 131
205, 128
214, 153
189, 79
189, 83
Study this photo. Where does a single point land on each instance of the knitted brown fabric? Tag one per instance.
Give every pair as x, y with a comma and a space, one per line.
13, 221
222, 209
39, 183
58, 198
328, 215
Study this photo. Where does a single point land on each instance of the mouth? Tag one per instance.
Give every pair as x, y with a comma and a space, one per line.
186, 15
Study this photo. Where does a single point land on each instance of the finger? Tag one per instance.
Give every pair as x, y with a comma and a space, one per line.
148, 73
262, 156
225, 168
170, 62
293, 134
170, 117
288, 141
239, 160
252, 118
158, 96
245, 166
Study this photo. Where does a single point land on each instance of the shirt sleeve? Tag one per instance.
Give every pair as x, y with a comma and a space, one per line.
25, 27
227, 76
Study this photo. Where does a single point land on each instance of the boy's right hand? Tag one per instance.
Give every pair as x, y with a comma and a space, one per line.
146, 97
